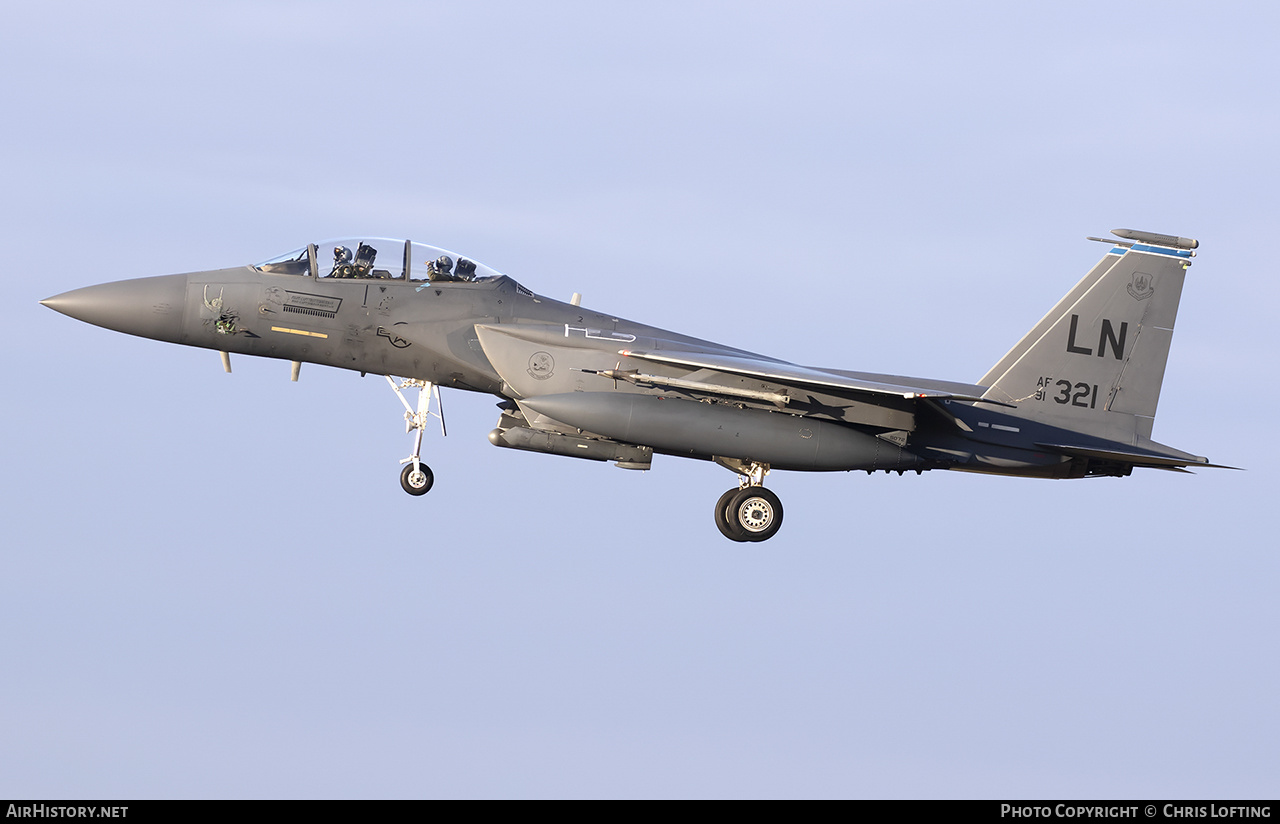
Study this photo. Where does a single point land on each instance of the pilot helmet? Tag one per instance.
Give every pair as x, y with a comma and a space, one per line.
444, 263
341, 253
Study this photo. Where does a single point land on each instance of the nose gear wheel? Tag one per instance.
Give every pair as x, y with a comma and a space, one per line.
417, 481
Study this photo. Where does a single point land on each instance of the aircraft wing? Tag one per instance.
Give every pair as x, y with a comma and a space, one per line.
802, 377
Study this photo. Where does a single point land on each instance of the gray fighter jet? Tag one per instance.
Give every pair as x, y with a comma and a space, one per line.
1076, 397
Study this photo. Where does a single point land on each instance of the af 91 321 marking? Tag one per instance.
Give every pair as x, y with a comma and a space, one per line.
1084, 395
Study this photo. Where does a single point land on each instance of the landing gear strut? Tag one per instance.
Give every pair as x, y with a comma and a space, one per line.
750, 512
416, 478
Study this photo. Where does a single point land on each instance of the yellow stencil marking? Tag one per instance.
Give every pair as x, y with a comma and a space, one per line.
299, 332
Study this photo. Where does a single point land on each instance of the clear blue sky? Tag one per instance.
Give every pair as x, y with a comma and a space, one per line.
211, 585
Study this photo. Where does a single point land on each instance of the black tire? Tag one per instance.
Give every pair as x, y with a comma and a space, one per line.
727, 528
423, 485
756, 513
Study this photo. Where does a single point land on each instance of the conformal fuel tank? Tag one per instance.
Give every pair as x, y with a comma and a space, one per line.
683, 427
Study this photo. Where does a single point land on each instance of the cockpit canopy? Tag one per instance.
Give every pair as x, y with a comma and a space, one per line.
378, 258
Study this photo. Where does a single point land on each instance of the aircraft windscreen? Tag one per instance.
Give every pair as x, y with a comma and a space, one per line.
291, 263
381, 258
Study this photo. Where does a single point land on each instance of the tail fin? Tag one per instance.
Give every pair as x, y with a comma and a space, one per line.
1095, 363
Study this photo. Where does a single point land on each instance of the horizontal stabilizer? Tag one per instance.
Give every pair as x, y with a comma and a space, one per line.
1133, 458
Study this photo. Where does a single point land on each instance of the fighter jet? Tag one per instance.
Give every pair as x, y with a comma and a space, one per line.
1076, 397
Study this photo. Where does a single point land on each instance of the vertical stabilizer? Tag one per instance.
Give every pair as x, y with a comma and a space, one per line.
1095, 363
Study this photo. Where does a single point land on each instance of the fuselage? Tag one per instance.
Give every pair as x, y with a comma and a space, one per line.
435, 331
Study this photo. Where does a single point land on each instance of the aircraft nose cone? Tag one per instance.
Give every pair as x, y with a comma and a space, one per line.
147, 307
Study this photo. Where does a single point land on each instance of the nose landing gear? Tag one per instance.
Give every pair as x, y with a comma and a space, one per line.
750, 512
416, 477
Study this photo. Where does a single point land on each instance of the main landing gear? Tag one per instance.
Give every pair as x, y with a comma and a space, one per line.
416, 478
750, 512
